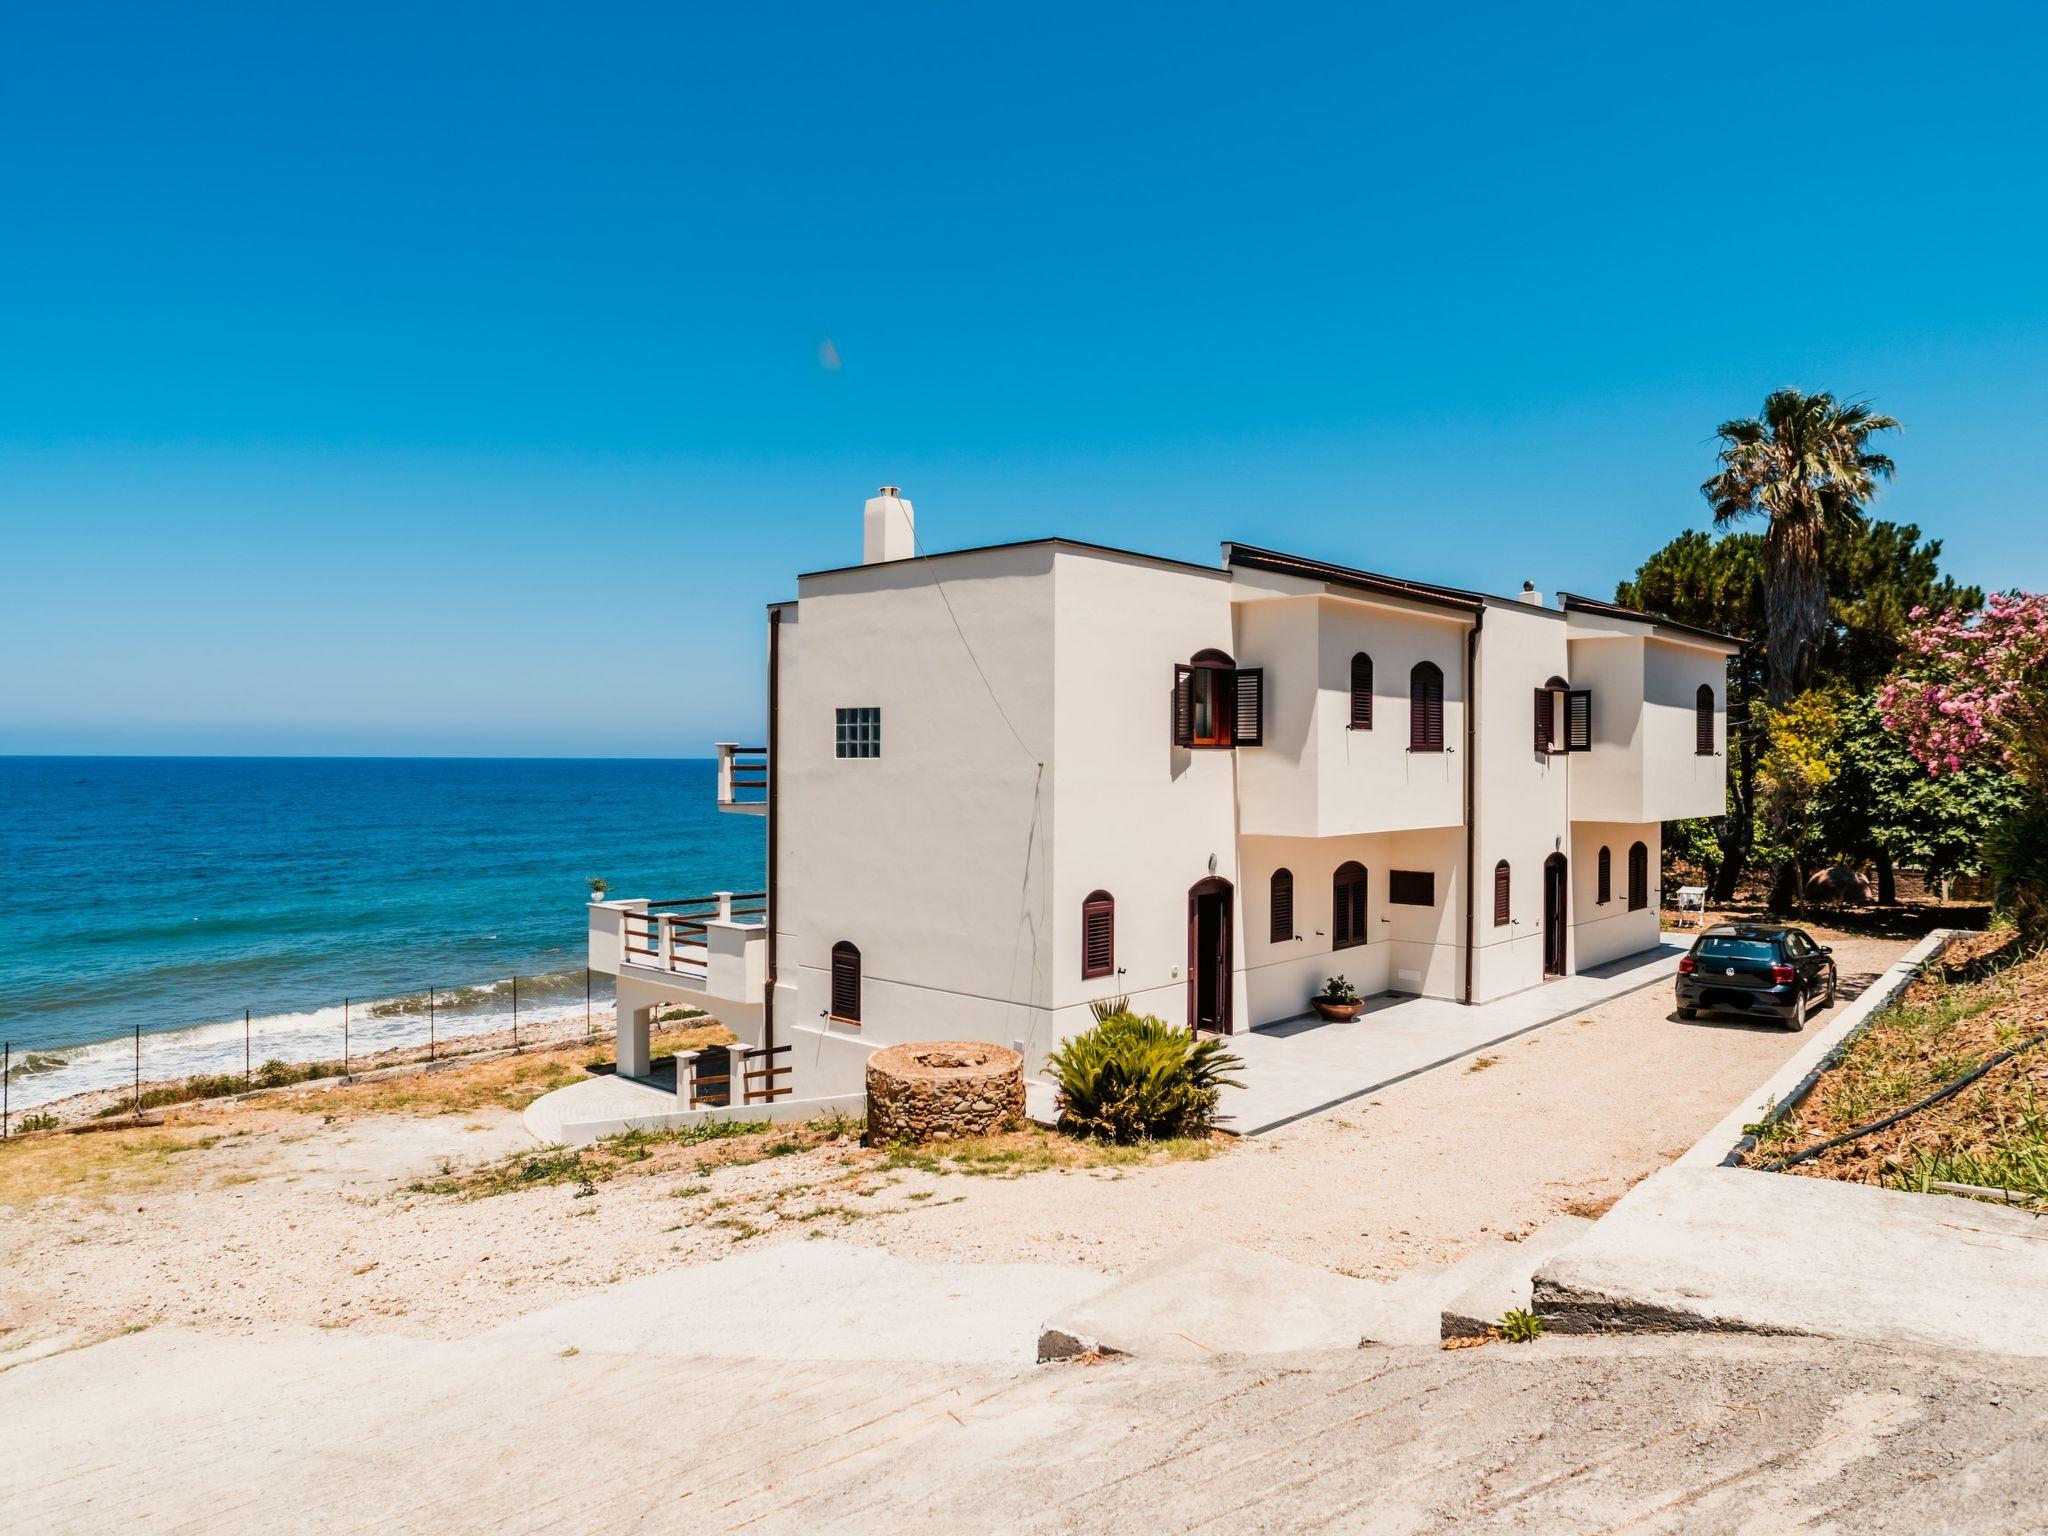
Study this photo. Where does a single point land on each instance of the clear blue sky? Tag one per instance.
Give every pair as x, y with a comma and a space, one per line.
436, 379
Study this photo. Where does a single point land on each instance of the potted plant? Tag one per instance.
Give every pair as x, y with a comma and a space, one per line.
598, 886
1338, 1000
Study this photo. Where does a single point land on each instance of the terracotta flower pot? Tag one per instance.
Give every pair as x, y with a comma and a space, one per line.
1338, 1012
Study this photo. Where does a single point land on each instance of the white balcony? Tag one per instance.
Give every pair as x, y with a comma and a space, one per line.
742, 778
713, 948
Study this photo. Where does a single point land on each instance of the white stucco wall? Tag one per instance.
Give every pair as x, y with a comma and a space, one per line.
1607, 931
1137, 816
1522, 798
1679, 781
1317, 777
935, 857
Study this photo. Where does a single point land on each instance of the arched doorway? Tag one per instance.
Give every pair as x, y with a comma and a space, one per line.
1209, 955
1554, 931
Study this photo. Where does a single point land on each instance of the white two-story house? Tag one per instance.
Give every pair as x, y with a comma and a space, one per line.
1003, 783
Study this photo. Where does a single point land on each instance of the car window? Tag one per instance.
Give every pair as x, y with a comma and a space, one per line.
1796, 942
1738, 949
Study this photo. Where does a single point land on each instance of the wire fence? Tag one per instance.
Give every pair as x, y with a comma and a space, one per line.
157, 1063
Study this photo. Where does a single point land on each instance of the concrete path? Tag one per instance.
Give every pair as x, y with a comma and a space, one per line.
601, 1096
180, 1432
822, 1300
1303, 1066
1703, 1246
1210, 1299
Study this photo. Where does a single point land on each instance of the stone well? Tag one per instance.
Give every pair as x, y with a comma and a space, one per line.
943, 1089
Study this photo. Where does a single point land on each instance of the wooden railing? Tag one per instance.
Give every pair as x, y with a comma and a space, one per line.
710, 1084
742, 776
670, 935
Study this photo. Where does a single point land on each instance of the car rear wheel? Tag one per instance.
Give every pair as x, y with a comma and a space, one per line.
1688, 1013
1796, 1019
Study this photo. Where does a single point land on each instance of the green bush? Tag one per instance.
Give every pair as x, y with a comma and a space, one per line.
2016, 854
1136, 1078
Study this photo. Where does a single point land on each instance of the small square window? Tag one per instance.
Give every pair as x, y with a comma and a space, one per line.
859, 733
1411, 887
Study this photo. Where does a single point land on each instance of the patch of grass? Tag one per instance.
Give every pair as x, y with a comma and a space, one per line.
1481, 1063
688, 1191
739, 1226
1520, 1326
124, 1161
737, 1142
1015, 1154
38, 1122
1993, 1134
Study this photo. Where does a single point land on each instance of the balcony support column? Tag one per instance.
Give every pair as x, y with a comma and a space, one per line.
635, 1047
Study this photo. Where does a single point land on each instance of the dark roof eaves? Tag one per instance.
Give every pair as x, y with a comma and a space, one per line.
1251, 556
1571, 600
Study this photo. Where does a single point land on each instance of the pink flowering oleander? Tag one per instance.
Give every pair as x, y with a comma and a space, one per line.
1973, 686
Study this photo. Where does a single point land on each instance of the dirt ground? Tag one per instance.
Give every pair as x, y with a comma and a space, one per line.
333, 1208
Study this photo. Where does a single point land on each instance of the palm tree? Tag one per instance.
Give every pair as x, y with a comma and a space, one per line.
1806, 465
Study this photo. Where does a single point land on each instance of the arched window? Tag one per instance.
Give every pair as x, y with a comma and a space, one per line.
1605, 892
1282, 930
1098, 935
1426, 708
1703, 721
1500, 894
1217, 703
1361, 692
1347, 906
845, 983
1638, 877
1549, 710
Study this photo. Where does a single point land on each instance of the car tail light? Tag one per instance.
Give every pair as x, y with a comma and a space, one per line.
1687, 965
1783, 975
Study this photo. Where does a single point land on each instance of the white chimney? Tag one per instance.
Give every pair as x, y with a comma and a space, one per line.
888, 528
1530, 595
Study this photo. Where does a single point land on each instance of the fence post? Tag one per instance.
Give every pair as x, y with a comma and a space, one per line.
430, 1023
138, 1069
245, 1050
6, 1083
344, 1037
515, 1013
588, 1028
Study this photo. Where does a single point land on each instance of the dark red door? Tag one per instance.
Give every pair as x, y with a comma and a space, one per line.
1209, 955
1554, 933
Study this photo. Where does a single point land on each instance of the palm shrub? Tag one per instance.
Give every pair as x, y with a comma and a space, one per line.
1133, 1078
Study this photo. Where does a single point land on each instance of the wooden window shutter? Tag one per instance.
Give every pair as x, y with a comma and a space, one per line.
1426, 708
1543, 719
1500, 894
1578, 720
1638, 878
1249, 707
1605, 893
1282, 929
845, 983
1703, 722
1183, 705
1347, 904
1098, 935
1361, 692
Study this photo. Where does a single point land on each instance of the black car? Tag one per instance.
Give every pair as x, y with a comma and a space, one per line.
1756, 968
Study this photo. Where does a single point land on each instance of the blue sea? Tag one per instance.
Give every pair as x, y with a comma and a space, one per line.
175, 893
